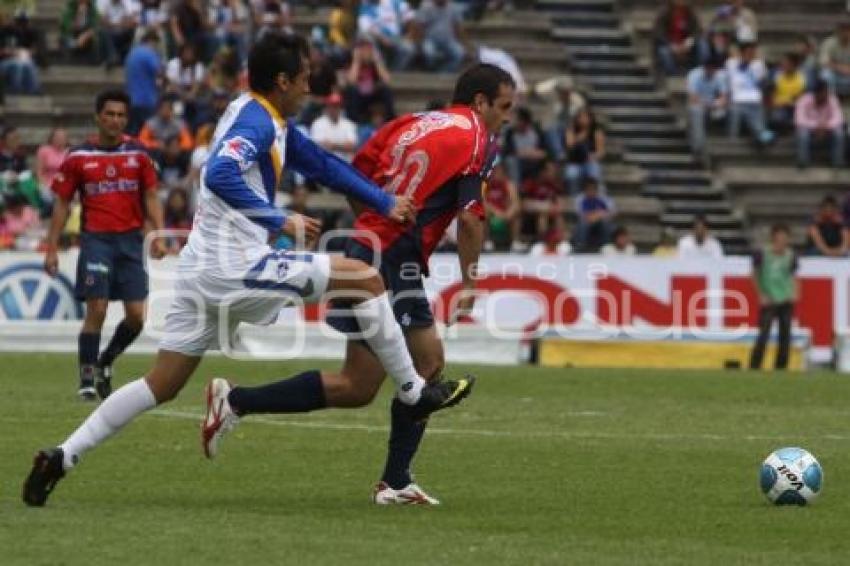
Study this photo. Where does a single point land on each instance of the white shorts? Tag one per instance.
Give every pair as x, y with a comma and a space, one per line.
208, 306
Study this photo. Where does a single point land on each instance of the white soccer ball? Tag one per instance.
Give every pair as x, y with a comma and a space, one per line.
791, 476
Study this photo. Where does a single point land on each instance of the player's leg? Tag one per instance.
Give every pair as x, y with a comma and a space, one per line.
168, 376
88, 345
125, 334
397, 485
130, 285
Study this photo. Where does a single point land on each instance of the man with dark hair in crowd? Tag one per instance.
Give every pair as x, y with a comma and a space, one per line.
677, 33
827, 235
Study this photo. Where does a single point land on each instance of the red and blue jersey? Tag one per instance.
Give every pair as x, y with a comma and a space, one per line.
111, 183
440, 159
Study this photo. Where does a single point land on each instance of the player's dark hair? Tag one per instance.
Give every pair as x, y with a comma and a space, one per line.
780, 227
275, 53
111, 95
481, 78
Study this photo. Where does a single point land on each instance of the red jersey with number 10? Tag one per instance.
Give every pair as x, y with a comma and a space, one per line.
110, 181
440, 159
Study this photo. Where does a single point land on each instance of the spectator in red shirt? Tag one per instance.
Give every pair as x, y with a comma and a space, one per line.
678, 42
116, 182
818, 115
541, 199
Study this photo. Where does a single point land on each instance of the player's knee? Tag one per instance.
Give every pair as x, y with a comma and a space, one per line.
372, 282
135, 321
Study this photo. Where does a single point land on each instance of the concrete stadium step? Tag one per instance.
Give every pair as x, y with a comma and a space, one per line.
576, 5
698, 206
633, 99
626, 68
668, 161
647, 130
591, 36
607, 83
679, 178
684, 192
715, 221
590, 19
597, 53
654, 145
626, 114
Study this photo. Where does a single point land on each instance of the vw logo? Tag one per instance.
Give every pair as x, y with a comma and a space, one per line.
28, 293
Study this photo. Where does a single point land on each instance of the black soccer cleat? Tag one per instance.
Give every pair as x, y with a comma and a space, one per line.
103, 382
437, 396
45, 474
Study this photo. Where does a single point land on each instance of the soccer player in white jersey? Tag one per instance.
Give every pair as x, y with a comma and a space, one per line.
228, 274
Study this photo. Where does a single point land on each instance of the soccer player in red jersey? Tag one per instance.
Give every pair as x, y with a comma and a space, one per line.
116, 182
440, 159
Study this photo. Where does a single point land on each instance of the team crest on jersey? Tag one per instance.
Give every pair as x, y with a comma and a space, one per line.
429, 122
110, 171
240, 150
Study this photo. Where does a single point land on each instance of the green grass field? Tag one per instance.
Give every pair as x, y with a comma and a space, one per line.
537, 467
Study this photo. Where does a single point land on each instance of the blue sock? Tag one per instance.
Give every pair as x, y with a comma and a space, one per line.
88, 345
299, 394
405, 436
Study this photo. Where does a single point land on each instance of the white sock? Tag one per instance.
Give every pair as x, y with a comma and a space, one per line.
384, 336
120, 408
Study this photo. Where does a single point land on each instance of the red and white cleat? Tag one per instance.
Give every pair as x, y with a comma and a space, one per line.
410, 495
220, 418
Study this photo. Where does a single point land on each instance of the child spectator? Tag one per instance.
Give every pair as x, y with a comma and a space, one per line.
595, 214
541, 199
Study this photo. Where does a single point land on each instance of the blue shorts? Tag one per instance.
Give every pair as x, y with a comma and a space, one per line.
111, 266
407, 295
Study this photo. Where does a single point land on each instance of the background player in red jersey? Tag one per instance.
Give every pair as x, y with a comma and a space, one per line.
441, 160
116, 182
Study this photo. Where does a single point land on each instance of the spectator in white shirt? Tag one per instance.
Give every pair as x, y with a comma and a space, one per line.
385, 22
333, 131
746, 74
699, 244
118, 19
620, 244
555, 243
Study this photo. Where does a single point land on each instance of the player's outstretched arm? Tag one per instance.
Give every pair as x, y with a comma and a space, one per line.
325, 168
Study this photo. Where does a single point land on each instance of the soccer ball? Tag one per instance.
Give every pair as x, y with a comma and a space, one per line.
791, 476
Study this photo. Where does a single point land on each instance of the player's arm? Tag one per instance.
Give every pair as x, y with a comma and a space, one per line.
152, 205
327, 169
64, 186
470, 239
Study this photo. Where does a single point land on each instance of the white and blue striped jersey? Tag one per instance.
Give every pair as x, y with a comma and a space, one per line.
250, 148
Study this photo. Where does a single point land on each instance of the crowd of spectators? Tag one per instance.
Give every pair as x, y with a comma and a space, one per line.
729, 81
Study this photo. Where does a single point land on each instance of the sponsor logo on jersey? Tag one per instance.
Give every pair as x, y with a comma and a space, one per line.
429, 122
240, 150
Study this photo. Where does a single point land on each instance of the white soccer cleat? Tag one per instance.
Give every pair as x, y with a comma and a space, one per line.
410, 495
220, 417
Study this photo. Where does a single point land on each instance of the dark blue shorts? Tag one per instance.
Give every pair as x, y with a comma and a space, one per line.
407, 295
111, 266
